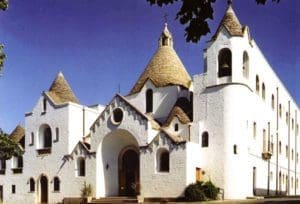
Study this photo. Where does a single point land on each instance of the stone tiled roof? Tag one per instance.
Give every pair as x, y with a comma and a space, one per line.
172, 136
17, 134
183, 110
60, 91
231, 23
165, 68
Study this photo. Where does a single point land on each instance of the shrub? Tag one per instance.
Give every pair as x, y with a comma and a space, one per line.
86, 190
194, 192
201, 191
210, 190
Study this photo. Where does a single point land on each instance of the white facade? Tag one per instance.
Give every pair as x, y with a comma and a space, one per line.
235, 125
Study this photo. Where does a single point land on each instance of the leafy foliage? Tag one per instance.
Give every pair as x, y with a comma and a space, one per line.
3, 4
2, 57
86, 190
201, 191
8, 148
210, 190
194, 192
195, 15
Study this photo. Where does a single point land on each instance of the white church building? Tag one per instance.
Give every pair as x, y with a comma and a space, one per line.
235, 124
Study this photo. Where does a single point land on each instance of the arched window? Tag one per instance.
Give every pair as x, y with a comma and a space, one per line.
263, 91
149, 101
224, 62
31, 185
163, 160
245, 64
279, 147
280, 110
273, 101
176, 127
254, 130
257, 84
81, 166
56, 184
45, 138
205, 139
265, 142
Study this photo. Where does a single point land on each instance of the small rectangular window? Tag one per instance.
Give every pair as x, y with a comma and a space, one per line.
56, 135
1, 193
31, 139
13, 189
234, 149
44, 105
205, 139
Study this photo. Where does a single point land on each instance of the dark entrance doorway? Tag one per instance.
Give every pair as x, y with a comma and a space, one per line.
129, 173
1, 194
44, 189
254, 180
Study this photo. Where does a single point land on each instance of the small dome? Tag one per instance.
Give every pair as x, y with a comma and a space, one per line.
165, 68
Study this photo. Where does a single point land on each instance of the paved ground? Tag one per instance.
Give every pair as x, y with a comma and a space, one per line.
267, 200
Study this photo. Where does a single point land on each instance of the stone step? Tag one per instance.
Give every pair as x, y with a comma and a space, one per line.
115, 200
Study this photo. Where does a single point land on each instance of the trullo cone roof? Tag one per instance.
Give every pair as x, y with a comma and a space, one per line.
165, 68
60, 91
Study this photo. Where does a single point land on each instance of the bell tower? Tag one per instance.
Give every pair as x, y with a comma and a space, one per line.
166, 38
224, 60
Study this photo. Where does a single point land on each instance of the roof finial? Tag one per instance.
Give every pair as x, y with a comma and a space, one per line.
229, 2
166, 19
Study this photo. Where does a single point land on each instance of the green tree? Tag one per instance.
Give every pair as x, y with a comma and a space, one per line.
2, 57
8, 147
3, 4
194, 14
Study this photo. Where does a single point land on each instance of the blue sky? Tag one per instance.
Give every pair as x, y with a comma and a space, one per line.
101, 44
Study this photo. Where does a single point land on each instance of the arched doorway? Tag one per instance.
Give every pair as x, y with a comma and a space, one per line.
129, 183
44, 189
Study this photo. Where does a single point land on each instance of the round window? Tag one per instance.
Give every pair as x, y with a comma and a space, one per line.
117, 116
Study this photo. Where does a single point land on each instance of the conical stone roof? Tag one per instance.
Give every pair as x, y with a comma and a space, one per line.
165, 68
60, 91
231, 23
17, 134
